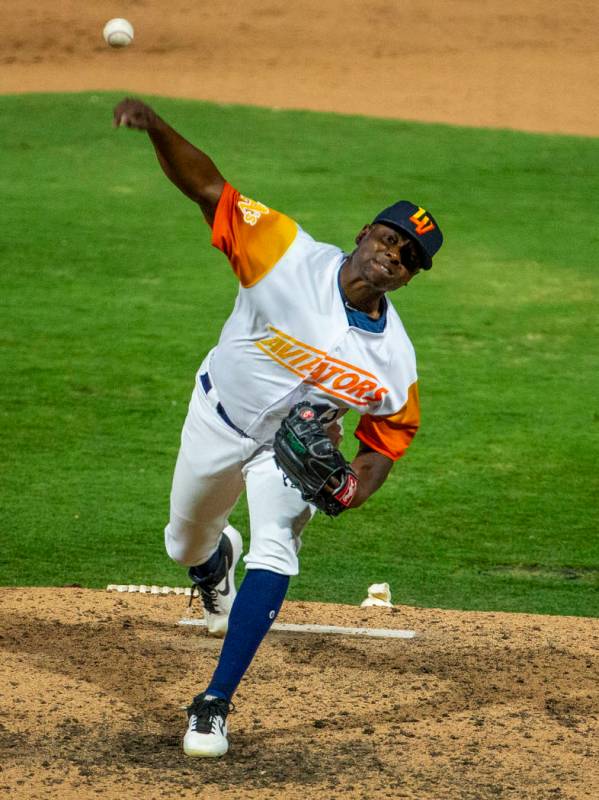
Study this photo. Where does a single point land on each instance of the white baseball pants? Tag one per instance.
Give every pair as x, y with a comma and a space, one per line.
215, 464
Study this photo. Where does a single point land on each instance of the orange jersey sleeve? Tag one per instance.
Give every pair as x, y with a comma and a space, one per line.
391, 435
252, 236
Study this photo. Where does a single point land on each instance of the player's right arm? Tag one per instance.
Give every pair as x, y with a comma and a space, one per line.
189, 168
252, 236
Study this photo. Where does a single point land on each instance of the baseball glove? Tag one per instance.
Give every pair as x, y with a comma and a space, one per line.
306, 455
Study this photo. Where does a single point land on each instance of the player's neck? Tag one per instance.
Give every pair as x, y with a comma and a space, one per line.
374, 309
358, 295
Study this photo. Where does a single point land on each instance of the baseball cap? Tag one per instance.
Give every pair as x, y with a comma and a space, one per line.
419, 224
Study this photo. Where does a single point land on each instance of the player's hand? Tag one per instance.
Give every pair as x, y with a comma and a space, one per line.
335, 433
133, 113
312, 464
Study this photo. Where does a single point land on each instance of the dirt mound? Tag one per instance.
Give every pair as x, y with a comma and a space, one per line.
500, 63
476, 706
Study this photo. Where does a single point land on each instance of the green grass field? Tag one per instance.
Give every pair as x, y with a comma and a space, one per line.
111, 295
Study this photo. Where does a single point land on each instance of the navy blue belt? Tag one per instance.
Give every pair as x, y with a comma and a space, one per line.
207, 387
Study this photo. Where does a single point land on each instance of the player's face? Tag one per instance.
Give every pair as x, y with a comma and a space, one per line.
386, 259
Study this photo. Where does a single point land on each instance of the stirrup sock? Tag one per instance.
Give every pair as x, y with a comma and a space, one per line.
256, 606
200, 571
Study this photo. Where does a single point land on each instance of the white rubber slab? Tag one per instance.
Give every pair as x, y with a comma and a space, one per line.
378, 633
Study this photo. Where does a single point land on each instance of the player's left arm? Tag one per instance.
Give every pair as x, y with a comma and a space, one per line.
372, 470
383, 440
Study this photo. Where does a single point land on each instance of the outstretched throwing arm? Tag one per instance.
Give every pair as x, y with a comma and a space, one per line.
191, 170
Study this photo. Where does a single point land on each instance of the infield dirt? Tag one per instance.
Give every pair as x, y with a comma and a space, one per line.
498, 63
478, 706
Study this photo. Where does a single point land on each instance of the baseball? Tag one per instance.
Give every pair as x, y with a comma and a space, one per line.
118, 32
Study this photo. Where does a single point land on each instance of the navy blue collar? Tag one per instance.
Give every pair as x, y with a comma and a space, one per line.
360, 319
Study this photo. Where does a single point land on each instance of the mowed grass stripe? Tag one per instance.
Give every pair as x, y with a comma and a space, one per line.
111, 294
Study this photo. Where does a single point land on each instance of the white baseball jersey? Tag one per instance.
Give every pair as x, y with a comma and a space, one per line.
289, 339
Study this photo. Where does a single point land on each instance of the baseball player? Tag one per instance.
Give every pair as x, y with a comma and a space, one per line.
312, 334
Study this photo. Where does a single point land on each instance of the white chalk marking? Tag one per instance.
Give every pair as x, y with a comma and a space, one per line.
292, 627
131, 589
379, 633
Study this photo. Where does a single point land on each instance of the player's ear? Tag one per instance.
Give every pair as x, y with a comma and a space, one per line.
365, 230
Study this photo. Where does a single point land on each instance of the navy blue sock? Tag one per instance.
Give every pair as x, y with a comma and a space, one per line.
258, 602
207, 568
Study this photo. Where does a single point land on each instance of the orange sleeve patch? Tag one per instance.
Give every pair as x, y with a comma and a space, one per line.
252, 236
391, 435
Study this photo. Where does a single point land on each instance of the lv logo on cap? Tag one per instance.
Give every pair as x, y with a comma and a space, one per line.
422, 222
